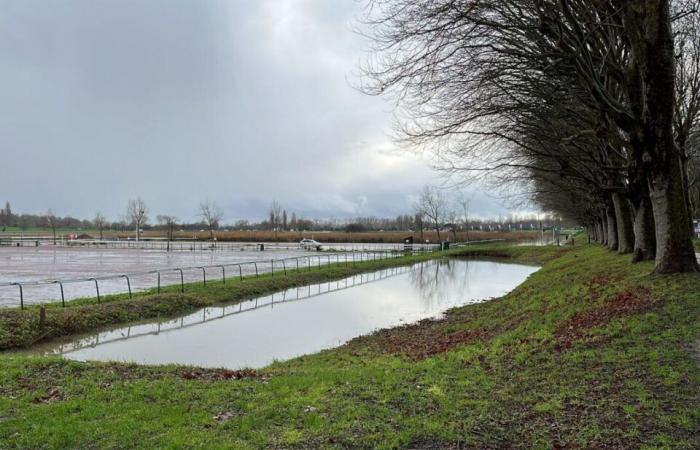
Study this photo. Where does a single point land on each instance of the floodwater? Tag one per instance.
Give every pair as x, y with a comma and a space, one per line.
47, 263
300, 320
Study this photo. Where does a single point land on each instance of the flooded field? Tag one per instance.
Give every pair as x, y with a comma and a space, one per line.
300, 321
46, 263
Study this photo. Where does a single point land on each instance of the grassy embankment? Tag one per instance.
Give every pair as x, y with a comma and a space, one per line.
590, 352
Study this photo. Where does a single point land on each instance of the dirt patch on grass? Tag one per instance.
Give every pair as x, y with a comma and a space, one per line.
625, 303
424, 339
221, 374
51, 395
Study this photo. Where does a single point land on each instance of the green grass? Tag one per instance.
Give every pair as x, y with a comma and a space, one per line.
590, 352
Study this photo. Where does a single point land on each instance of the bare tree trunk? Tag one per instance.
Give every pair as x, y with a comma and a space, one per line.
596, 232
604, 229
625, 228
611, 227
674, 245
652, 97
644, 234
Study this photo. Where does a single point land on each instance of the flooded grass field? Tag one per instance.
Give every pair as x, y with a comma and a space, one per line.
47, 263
300, 320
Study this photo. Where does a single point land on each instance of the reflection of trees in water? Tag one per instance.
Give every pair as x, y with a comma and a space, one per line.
437, 281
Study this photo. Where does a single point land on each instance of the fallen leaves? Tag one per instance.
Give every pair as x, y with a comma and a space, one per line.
623, 304
425, 339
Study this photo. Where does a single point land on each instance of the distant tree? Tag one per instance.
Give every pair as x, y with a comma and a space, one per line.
418, 219
355, 228
463, 206
284, 219
433, 203
293, 221
99, 222
169, 222
137, 213
7, 212
275, 215
51, 220
242, 224
452, 225
211, 214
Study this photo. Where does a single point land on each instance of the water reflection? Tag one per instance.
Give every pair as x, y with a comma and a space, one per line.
301, 320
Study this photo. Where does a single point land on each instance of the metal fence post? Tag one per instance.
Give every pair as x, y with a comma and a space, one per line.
204, 276
63, 298
240, 272
284, 267
158, 272
256, 269
21, 295
97, 288
272, 266
128, 284
223, 274
182, 281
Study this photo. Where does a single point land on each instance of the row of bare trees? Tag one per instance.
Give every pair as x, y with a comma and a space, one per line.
137, 214
434, 209
591, 106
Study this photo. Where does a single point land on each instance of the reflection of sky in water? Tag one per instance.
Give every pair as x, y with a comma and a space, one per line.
288, 328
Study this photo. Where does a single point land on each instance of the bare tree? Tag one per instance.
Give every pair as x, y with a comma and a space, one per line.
451, 219
137, 213
211, 214
169, 222
463, 204
99, 222
51, 219
419, 219
275, 215
433, 203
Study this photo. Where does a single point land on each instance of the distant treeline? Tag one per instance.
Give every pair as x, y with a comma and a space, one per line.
285, 222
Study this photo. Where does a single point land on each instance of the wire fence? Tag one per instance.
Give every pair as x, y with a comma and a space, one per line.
213, 313
156, 280
191, 245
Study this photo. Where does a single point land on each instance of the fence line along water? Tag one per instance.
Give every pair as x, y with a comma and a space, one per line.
209, 315
192, 245
122, 283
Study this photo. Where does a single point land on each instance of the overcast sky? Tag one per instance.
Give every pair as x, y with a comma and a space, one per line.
176, 101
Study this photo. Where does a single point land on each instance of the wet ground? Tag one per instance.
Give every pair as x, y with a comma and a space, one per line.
301, 320
46, 263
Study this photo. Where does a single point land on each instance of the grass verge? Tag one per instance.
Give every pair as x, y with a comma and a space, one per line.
589, 352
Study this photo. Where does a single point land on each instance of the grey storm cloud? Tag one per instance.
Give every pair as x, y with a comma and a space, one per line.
239, 102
